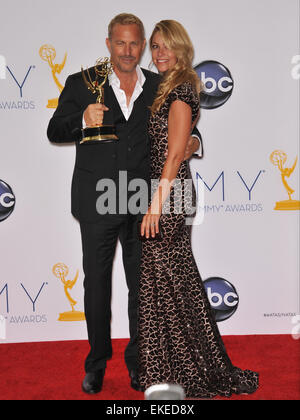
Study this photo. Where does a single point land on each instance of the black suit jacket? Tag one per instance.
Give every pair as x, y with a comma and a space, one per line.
94, 162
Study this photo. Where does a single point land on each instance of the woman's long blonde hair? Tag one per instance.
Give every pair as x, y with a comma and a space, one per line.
177, 40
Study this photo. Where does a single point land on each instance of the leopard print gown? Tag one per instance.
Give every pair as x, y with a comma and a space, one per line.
179, 341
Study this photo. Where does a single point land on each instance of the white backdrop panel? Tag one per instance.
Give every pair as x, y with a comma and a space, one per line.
255, 248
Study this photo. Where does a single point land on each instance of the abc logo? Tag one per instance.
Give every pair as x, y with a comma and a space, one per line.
218, 84
222, 297
7, 201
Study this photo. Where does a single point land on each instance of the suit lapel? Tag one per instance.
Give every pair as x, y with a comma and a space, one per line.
139, 104
115, 114
149, 90
145, 99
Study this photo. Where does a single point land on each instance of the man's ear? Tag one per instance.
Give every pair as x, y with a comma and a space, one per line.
144, 44
108, 44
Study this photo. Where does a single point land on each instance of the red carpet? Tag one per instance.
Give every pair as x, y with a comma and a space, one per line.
54, 370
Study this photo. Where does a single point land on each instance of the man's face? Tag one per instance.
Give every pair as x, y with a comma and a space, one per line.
126, 47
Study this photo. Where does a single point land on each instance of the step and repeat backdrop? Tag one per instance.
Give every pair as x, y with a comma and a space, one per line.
246, 240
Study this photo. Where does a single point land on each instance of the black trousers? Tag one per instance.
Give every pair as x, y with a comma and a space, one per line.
99, 242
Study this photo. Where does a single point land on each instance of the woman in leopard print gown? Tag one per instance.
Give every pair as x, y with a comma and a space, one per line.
179, 341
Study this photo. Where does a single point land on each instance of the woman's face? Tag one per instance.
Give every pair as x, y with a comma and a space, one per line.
163, 58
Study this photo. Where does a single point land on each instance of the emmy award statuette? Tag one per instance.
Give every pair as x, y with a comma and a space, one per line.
279, 158
61, 271
100, 133
48, 53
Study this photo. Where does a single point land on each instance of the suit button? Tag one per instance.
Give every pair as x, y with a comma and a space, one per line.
114, 156
129, 149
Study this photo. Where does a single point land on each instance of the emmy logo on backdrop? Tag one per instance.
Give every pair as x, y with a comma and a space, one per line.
61, 271
279, 158
48, 53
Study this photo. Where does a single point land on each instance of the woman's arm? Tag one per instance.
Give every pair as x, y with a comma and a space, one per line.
179, 131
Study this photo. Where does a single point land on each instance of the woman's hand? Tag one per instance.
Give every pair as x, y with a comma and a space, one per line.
150, 224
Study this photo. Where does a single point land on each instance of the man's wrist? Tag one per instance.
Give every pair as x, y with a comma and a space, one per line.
197, 149
196, 143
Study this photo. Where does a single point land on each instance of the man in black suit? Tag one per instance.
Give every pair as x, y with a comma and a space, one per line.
128, 94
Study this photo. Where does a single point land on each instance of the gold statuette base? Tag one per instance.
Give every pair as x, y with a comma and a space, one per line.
99, 138
103, 133
287, 205
71, 316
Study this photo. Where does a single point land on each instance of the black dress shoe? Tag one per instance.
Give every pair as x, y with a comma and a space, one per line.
93, 381
135, 384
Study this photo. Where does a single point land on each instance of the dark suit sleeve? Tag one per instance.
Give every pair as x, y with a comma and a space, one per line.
66, 123
197, 134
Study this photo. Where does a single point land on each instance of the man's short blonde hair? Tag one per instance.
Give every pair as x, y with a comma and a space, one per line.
126, 19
